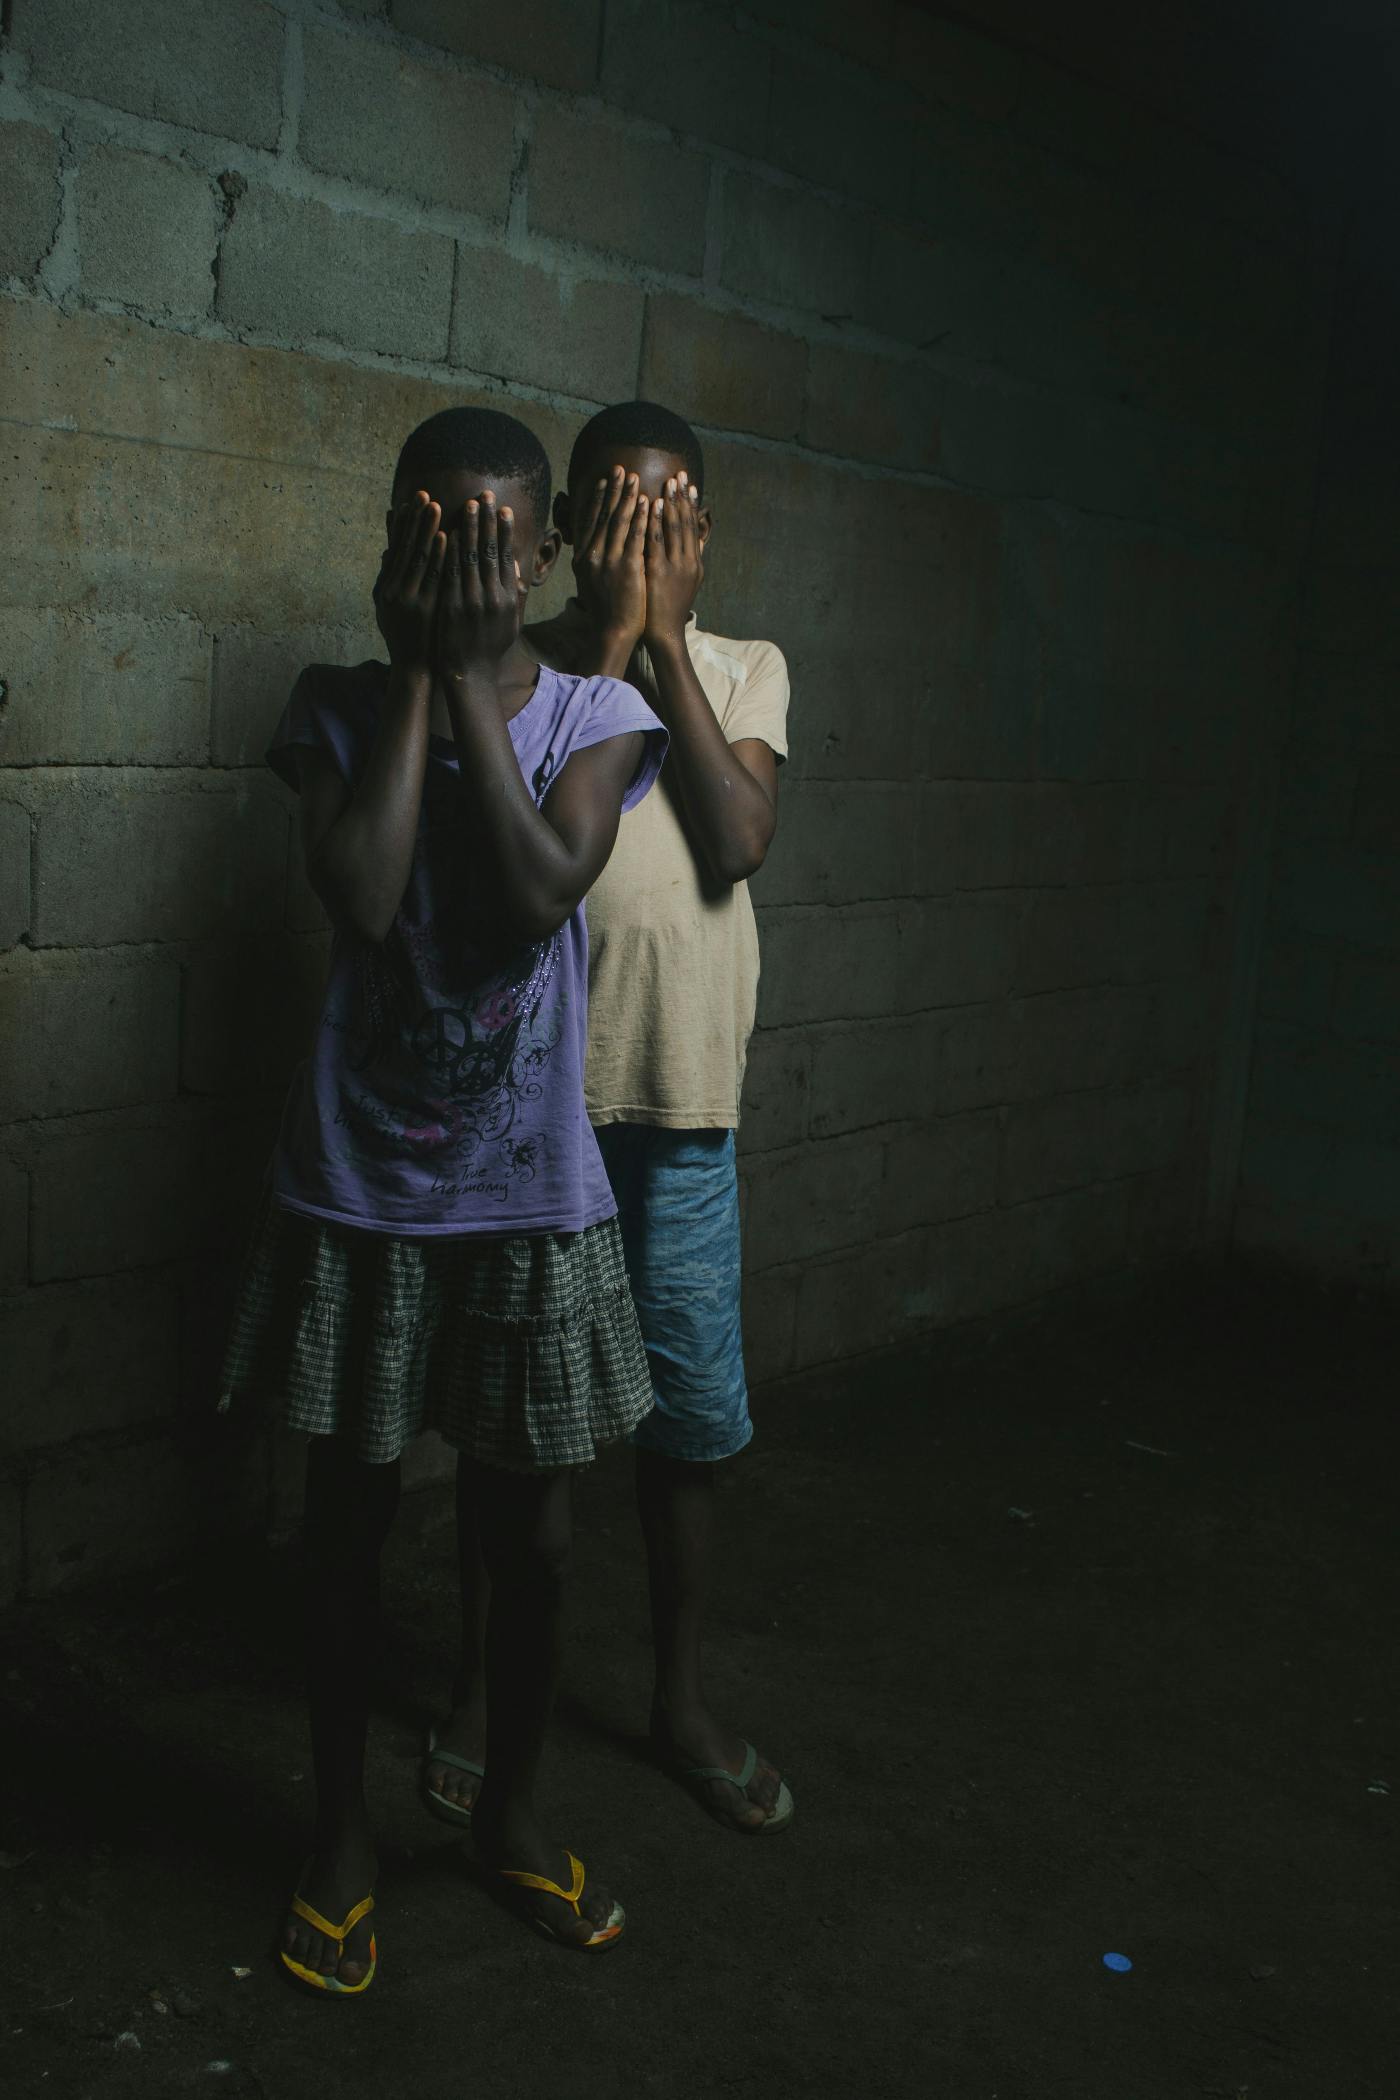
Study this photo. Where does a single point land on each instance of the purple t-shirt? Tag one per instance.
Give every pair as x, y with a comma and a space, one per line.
444, 1093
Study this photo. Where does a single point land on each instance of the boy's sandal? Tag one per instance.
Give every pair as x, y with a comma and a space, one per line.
605, 1936
312, 1978
695, 1776
438, 1804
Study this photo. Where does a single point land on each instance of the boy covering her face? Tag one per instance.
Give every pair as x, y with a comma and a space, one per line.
673, 977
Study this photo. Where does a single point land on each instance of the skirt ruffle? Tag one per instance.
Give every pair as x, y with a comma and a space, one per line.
523, 1353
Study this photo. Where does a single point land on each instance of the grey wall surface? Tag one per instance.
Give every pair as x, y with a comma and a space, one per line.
1321, 1172
1009, 391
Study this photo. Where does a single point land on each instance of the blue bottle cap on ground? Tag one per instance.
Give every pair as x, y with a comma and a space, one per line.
1120, 1962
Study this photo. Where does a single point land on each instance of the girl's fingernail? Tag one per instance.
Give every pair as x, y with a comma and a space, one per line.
507, 515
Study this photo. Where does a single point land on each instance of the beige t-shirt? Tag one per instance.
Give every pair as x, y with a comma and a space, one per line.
673, 959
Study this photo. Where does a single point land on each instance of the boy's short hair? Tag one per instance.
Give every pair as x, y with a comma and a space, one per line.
478, 440
636, 426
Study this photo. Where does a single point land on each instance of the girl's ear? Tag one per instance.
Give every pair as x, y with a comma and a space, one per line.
562, 521
547, 554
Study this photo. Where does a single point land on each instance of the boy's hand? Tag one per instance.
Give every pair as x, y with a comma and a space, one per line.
410, 576
675, 563
482, 599
609, 561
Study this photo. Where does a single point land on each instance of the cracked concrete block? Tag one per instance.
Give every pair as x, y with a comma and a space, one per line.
132, 860
147, 232
78, 1032
688, 65
555, 40
651, 207
881, 409
516, 321
16, 838
29, 187
14, 1222
297, 269
102, 688
378, 117
722, 369
788, 248
215, 65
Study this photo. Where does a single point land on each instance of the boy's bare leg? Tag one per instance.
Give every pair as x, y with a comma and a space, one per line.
524, 1523
464, 1731
349, 1509
676, 1503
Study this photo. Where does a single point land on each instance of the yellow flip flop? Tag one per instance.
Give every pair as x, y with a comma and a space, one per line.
606, 1935
340, 1934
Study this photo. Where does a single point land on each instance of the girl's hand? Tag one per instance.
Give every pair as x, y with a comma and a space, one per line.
482, 602
609, 560
675, 562
409, 580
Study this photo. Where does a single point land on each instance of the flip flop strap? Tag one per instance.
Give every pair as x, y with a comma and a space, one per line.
551, 1888
462, 1764
339, 1933
739, 1779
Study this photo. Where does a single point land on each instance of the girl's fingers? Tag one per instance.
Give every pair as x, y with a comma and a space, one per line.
468, 549
487, 554
509, 566
451, 573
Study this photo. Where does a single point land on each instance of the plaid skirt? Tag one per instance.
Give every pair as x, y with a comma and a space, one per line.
523, 1353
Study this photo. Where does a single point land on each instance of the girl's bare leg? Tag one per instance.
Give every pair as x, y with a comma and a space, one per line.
349, 1509
524, 1522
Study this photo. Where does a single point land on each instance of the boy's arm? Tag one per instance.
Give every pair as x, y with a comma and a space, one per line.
530, 868
359, 841
728, 793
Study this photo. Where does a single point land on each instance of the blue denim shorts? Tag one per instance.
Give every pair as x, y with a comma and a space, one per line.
678, 1205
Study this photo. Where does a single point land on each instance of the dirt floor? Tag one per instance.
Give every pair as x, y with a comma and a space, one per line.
1079, 1644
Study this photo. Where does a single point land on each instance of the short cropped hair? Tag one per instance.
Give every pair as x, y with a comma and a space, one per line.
637, 425
478, 441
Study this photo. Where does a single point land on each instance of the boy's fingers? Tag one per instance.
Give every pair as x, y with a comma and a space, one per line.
452, 571
432, 573
425, 527
598, 511
466, 556
670, 522
487, 548
637, 536
509, 566
624, 511
400, 540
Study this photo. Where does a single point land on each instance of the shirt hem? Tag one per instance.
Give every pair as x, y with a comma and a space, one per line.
458, 1229
667, 1118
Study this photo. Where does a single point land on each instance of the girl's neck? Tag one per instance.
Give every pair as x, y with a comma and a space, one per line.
517, 676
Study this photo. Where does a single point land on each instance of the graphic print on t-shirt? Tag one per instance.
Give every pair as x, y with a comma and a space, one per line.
446, 1081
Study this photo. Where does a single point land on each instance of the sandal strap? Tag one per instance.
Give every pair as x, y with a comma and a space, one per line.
551, 1888
339, 1933
740, 1779
460, 1764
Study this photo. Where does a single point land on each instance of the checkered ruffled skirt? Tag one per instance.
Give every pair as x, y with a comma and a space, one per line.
523, 1353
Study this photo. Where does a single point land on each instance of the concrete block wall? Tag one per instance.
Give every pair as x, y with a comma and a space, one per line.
1007, 399
1320, 1182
